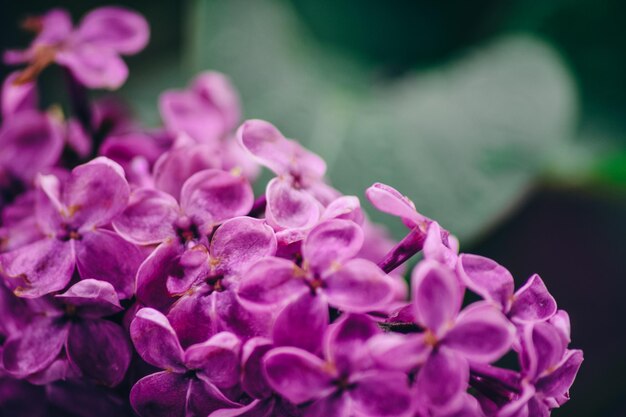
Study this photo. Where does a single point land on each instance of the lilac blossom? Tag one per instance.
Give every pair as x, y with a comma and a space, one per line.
72, 323
192, 380
345, 381
72, 215
329, 269
90, 51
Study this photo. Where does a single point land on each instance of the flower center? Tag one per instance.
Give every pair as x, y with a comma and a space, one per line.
68, 232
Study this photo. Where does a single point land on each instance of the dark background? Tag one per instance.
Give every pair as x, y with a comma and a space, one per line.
568, 224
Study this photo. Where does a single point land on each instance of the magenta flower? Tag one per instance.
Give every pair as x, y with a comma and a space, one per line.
73, 215
72, 323
192, 380
344, 382
207, 111
328, 269
450, 341
296, 196
494, 283
209, 280
91, 51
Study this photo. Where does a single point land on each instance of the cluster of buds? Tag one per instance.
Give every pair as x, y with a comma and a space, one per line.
141, 276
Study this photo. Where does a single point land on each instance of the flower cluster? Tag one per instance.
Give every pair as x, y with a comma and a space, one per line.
141, 275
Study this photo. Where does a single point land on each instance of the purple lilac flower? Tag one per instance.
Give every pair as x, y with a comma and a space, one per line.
328, 269
192, 380
296, 196
91, 51
71, 322
72, 215
344, 382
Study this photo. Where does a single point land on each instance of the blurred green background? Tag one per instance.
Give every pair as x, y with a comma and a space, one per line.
504, 120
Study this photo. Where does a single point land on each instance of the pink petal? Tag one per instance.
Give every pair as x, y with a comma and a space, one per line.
382, 394
240, 242
93, 298
290, 208
186, 112
56, 27
481, 334
217, 89
217, 359
442, 380
271, 282
94, 67
345, 344
399, 352
96, 192
105, 256
437, 249
332, 243
31, 142
17, 97
487, 278
39, 268
358, 286
346, 207
100, 349
302, 323
298, 375
436, 295
148, 218
155, 340
533, 302
116, 28
253, 381
204, 398
338, 405
213, 196
558, 382
543, 348
175, 166
388, 200
267, 144
154, 273
35, 349
163, 394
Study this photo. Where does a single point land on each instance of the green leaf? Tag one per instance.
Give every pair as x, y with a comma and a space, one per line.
465, 141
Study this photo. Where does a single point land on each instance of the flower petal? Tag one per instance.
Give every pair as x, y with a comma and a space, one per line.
358, 286
156, 341
398, 352
347, 207
35, 349
94, 67
557, 383
381, 394
17, 97
186, 158
442, 380
253, 380
389, 200
154, 272
487, 278
149, 217
40, 268
113, 27
298, 375
302, 323
337, 405
533, 302
217, 359
543, 348
204, 398
345, 344
163, 394
93, 298
100, 349
436, 295
95, 193
269, 147
481, 334
105, 256
240, 242
31, 142
271, 282
211, 196
332, 242
290, 208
